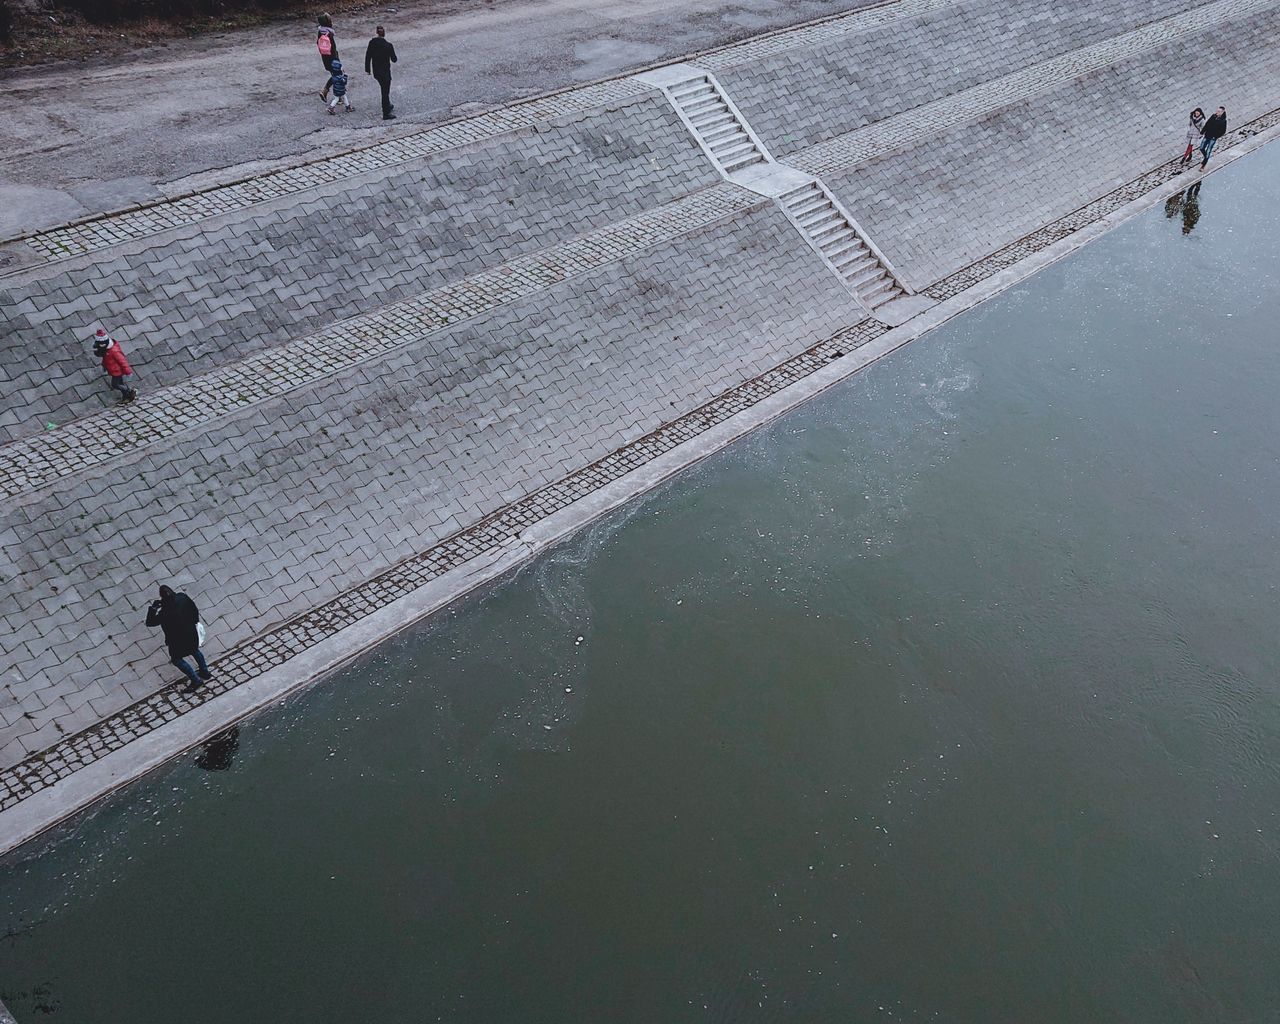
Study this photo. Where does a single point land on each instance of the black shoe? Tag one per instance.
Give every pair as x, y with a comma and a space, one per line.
129, 396
192, 686
388, 117
204, 673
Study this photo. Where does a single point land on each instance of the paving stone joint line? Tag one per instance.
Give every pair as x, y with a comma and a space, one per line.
139, 220
256, 655
734, 135
929, 119
31, 463
103, 230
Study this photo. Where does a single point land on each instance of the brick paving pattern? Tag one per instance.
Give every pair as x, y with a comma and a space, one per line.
954, 178
103, 232
253, 657
269, 513
548, 352
1088, 214
836, 29
270, 275
800, 98
99, 232
35, 462
932, 118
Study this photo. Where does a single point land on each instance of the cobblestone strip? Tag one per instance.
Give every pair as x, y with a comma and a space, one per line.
112, 229
31, 463
253, 657
951, 286
826, 31
929, 119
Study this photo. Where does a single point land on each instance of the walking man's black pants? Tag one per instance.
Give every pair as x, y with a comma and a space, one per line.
385, 85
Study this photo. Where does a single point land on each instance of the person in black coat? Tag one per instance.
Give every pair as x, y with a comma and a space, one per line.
1213, 130
378, 58
177, 615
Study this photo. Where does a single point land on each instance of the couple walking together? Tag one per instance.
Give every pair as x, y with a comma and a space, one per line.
379, 55
1204, 135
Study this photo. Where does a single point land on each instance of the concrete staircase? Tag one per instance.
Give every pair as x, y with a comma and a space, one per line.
740, 157
830, 230
717, 124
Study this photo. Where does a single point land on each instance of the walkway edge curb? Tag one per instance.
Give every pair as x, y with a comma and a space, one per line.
302, 160
53, 805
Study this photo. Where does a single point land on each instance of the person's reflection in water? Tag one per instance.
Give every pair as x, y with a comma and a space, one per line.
1173, 205
217, 753
1191, 209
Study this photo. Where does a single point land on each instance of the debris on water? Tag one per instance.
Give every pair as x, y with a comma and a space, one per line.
568, 689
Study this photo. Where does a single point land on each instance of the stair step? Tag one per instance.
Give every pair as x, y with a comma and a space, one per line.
859, 269
712, 120
820, 215
728, 138
865, 277
853, 247
832, 236
882, 283
878, 294
730, 127
807, 205
837, 228
877, 301
754, 157
692, 87
796, 194
733, 147
703, 105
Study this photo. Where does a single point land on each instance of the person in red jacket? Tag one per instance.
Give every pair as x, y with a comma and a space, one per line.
115, 364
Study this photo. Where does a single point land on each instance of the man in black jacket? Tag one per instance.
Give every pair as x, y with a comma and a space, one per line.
179, 617
1213, 130
378, 58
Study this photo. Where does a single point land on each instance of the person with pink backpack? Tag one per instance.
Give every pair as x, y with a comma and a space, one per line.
327, 44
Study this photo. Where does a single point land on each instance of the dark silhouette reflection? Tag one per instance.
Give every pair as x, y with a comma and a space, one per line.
1186, 203
217, 753
1191, 208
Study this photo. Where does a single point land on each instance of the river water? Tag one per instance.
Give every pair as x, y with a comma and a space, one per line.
951, 696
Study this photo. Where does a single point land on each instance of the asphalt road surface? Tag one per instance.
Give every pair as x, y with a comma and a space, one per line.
82, 138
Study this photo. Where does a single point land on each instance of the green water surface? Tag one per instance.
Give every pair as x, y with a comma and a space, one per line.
952, 697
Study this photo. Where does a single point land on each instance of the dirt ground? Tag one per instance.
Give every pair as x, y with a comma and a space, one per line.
44, 32
84, 137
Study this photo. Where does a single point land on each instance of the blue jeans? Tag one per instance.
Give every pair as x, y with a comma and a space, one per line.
187, 670
1206, 148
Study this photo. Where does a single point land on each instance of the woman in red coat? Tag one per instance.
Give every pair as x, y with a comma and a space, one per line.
115, 364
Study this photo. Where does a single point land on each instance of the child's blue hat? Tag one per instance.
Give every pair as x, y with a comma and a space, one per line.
336, 65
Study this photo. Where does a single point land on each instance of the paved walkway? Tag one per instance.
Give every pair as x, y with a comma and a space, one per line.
355, 383
97, 135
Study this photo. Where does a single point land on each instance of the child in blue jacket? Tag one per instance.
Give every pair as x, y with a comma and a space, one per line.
338, 87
